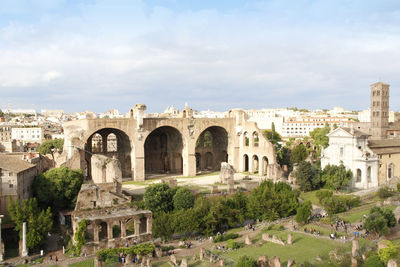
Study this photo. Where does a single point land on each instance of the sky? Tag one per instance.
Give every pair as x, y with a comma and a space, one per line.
102, 54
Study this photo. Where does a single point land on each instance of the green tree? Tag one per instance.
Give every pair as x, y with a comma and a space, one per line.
299, 153
185, 222
282, 153
273, 136
380, 220
308, 176
246, 261
304, 212
58, 188
271, 201
319, 135
39, 222
323, 194
159, 197
48, 146
162, 226
283, 156
183, 199
336, 177
1, 113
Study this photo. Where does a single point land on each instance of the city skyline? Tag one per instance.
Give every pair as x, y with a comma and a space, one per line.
97, 55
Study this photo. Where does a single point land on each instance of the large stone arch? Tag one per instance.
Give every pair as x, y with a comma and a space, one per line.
122, 152
211, 148
163, 149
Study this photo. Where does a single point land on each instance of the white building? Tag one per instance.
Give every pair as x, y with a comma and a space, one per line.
265, 117
365, 116
350, 147
21, 111
57, 113
302, 126
27, 134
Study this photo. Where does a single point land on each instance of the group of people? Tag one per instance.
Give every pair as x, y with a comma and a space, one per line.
250, 227
339, 223
51, 258
333, 236
312, 231
122, 257
188, 244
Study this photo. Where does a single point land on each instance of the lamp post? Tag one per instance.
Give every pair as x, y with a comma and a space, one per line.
1, 248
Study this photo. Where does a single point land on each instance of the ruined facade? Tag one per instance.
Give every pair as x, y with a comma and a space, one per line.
179, 144
111, 220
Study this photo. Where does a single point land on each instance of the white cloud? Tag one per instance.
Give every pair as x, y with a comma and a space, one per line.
51, 75
132, 53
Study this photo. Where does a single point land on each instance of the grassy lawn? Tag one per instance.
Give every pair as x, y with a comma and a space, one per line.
356, 214
191, 263
304, 248
396, 241
200, 175
234, 230
311, 196
146, 182
86, 263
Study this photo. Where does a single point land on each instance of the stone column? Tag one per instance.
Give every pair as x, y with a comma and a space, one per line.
251, 164
95, 233
1, 248
133, 162
123, 229
137, 226
109, 230
139, 171
24, 250
149, 223
189, 157
364, 178
104, 143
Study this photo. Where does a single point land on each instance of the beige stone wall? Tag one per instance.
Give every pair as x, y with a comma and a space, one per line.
384, 161
137, 129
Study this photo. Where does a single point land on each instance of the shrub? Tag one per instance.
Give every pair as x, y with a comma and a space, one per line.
336, 204
374, 261
110, 254
398, 187
380, 220
226, 237
390, 252
384, 192
167, 248
246, 261
232, 244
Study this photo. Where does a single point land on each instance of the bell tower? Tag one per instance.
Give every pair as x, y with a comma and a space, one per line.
379, 110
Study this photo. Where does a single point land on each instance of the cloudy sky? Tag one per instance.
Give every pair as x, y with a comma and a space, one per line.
213, 54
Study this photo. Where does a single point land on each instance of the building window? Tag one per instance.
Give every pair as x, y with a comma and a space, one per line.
10, 185
390, 171
390, 155
341, 152
358, 175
